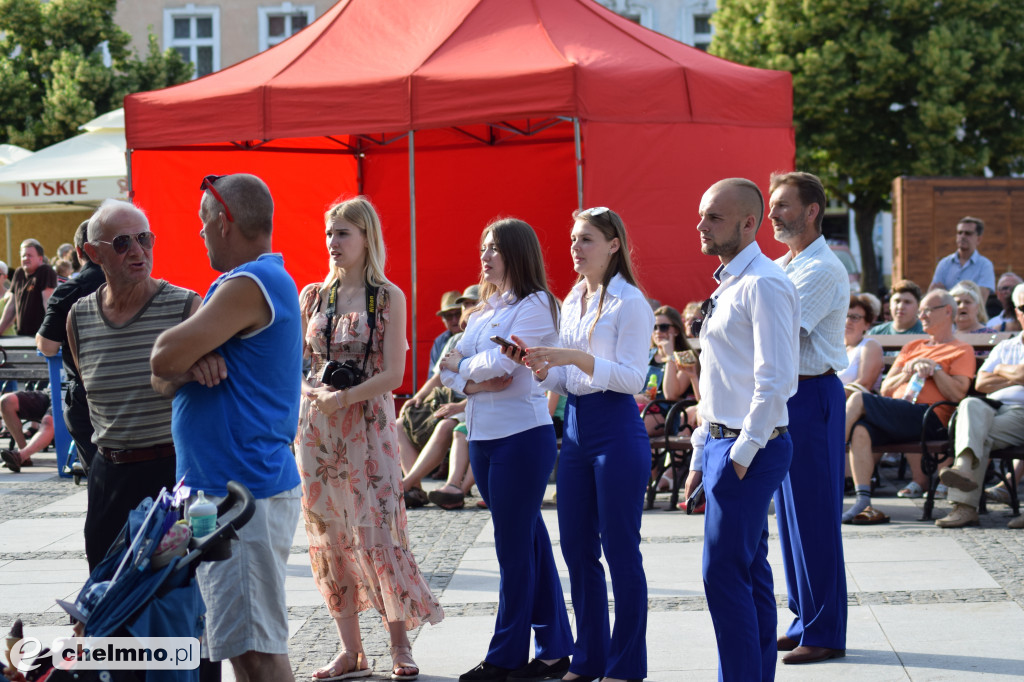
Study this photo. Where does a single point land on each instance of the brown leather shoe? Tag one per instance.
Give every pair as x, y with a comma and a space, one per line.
1016, 522
812, 654
961, 515
787, 643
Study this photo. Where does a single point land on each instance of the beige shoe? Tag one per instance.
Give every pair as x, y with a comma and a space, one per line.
962, 515
1016, 522
959, 477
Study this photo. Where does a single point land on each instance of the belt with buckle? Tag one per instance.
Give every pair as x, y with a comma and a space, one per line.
133, 455
720, 431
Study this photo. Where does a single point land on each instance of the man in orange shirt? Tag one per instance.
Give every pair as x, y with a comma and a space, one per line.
945, 364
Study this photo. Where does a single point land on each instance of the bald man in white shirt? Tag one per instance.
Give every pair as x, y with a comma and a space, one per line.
742, 450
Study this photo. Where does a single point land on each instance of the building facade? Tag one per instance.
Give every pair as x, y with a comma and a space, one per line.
216, 33
688, 21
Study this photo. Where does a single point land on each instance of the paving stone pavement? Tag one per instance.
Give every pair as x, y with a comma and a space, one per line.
445, 543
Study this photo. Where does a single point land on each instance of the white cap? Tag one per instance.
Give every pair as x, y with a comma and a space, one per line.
3, 268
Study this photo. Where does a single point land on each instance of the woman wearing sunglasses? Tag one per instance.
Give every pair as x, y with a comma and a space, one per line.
606, 455
672, 378
347, 447
512, 451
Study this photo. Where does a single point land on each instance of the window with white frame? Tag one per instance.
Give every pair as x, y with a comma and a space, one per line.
702, 30
283, 21
194, 32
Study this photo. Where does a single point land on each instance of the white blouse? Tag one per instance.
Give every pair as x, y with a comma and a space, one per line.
620, 342
522, 405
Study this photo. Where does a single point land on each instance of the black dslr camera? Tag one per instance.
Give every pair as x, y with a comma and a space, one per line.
342, 374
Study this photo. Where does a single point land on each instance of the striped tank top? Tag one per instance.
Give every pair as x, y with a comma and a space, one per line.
113, 361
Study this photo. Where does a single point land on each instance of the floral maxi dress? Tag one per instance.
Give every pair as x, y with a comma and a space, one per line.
352, 486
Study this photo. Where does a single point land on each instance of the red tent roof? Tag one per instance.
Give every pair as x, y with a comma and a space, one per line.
367, 66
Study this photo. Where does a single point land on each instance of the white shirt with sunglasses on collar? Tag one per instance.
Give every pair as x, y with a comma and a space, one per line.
749, 354
620, 342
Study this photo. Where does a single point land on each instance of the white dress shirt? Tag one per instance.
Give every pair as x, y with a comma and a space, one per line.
749, 354
522, 405
620, 342
1008, 352
823, 286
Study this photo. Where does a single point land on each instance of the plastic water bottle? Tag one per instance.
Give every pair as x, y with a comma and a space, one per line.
652, 387
202, 516
914, 387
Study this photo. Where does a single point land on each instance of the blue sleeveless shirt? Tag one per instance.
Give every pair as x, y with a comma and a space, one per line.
242, 428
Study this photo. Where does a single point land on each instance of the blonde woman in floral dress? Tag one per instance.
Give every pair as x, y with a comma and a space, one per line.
347, 450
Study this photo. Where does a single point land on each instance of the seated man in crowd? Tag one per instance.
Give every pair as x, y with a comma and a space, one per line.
32, 406
1006, 320
903, 303
946, 365
984, 424
450, 313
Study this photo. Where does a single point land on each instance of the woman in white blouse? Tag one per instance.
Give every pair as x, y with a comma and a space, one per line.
606, 456
512, 451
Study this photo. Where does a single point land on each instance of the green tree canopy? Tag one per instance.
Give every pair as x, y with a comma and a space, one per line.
883, 88
52, 74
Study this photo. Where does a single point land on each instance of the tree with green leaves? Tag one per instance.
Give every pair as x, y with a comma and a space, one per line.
53, 77
883, 88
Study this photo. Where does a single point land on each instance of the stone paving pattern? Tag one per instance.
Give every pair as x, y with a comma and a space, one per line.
440, 541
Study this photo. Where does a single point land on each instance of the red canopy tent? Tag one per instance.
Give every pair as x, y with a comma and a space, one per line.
448, 114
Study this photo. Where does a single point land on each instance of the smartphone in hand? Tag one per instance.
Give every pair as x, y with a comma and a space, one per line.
695, 500
504, 343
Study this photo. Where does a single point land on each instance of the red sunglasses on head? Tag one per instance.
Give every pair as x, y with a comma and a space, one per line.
207, 185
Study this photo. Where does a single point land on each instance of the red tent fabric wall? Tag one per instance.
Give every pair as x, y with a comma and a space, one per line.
492, 89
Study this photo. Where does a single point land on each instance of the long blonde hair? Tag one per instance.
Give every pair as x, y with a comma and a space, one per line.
609, 224
360, 212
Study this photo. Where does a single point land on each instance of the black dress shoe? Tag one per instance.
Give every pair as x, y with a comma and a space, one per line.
582, 678
812, 654
485, 672
537, 670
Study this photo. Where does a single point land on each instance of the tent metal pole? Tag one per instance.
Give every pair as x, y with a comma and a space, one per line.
579, 162
412, 247
128, 168
7, 220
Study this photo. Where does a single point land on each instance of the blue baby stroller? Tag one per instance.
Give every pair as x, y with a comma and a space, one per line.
133, 592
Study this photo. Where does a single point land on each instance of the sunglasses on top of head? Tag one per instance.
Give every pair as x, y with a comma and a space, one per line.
122, 242
207, 186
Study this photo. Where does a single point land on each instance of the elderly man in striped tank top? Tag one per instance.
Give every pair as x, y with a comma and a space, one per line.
110, 335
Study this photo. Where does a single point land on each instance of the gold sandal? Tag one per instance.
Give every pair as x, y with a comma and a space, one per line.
401, 659
351, 661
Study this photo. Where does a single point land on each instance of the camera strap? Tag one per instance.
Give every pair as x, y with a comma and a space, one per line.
371, 319
332, 298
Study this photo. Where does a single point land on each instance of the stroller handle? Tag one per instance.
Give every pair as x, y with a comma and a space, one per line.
237, 508
233, 512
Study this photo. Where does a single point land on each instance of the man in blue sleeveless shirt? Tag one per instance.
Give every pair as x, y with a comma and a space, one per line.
234, 370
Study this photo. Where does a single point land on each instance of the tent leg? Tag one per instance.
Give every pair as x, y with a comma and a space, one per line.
128, 168
579, 162
359, 170
7, 220
412, 247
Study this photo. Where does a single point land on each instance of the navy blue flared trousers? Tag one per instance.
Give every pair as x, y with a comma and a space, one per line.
603, 470
512, 474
